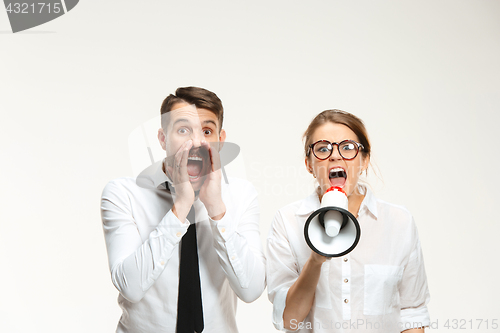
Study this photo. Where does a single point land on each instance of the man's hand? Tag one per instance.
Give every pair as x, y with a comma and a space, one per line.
177, 170
210, 192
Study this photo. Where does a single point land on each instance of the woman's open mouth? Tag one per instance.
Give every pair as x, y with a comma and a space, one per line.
338, 176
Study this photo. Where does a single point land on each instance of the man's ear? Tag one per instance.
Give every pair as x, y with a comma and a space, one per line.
162, 139
222, 139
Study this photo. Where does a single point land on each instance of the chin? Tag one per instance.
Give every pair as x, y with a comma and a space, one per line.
198, 183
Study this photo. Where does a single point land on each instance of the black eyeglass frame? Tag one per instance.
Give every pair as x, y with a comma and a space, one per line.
358, 146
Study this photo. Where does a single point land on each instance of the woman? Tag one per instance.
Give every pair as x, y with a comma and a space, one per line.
381, 285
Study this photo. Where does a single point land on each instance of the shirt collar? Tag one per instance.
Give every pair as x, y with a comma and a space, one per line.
311, 203
159, 177
153, 176
369, 202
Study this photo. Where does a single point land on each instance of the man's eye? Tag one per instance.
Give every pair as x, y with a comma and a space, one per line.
207, 132
182, 130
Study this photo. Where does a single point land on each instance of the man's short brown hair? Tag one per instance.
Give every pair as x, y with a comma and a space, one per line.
201, 98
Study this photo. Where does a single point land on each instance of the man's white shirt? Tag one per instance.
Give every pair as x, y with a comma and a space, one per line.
143, 244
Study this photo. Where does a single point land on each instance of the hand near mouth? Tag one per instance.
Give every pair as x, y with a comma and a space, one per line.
210, 192
177, 171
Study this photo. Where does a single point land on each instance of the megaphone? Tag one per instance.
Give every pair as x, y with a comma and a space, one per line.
332, 230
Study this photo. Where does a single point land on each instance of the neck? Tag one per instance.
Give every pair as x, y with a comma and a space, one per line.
355, 200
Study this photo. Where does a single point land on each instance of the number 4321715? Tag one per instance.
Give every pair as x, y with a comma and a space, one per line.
33, 8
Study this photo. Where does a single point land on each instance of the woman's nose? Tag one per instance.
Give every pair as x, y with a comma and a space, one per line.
335, 154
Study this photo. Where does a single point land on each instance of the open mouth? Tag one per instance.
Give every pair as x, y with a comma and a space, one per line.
337, 176
196, 162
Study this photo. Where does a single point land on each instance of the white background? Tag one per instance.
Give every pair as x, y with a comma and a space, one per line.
423, 75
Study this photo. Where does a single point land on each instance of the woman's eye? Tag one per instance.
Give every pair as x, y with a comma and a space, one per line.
323, 149
349, 146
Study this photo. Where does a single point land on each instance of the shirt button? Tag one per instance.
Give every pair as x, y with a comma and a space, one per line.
346, 301
178, 234
222, 229
346, 280
346, 260
233, 257
162, 263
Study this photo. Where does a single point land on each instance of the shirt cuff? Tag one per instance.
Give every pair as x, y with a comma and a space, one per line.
228, 247
223, 229
415, 317
279, 304
172, 228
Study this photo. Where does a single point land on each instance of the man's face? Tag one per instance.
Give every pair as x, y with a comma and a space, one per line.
186, 122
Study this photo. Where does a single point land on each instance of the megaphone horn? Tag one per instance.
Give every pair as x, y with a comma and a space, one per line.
332, 230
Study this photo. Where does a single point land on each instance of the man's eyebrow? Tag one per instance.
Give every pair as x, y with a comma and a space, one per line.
210, 122
184, 120
180, 120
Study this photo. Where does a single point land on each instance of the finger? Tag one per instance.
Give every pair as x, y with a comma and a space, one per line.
180, 162
206, 145
184, 157
214, 155
173, 160
180, 154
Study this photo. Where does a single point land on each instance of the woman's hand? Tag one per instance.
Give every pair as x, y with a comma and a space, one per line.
317, 258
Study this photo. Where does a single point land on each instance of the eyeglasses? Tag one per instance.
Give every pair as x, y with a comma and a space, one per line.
323, 149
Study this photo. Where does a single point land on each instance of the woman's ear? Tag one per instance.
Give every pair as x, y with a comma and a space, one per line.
365, 163
308, 166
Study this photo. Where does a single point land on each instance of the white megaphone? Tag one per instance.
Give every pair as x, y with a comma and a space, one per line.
332, 230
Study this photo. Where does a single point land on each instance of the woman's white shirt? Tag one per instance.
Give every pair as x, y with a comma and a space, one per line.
381, 286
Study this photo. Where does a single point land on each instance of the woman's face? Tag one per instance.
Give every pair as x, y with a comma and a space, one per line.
336, 171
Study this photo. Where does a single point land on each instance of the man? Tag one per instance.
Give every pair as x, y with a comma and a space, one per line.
149, 222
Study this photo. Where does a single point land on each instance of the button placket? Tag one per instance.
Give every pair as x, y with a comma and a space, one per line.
346, 288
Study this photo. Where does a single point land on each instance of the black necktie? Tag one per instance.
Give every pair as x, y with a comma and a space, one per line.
189, 308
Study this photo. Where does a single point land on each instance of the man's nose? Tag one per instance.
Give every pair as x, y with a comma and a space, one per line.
196, 137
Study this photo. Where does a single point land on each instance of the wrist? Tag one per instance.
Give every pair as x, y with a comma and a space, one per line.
316, 259
181, 210
217, 211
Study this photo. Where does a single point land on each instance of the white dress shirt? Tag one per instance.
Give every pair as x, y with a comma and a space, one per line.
380, 286
143, 238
